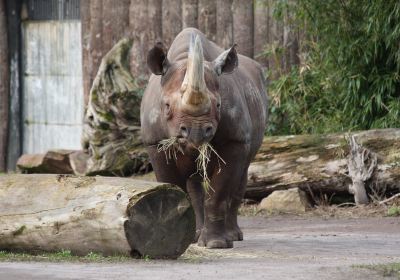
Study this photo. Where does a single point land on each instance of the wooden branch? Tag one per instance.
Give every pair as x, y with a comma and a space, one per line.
94, 214
389, 199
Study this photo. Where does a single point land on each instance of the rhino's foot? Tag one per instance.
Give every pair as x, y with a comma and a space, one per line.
214, 241
235, 234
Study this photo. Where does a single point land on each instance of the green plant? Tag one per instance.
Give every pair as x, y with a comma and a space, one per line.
349, 77
386, 270
393, 211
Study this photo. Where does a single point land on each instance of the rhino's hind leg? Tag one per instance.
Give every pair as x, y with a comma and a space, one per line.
233, 230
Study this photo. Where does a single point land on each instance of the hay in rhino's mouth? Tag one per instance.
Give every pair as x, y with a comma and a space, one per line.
171, 147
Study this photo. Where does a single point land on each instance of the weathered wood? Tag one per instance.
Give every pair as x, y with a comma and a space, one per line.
243, 18
361, 164
207, 18
189, 13
111, 133
4, 86
318, 163
171, 20
14, 147
52, 162
94, 214
145, 29
224, 36
115, 22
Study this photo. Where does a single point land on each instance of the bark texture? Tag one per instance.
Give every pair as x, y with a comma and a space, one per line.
4, 86
94, 214
318, 163
111, 133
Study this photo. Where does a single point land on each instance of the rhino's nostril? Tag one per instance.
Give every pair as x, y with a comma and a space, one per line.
208, 131
184, 131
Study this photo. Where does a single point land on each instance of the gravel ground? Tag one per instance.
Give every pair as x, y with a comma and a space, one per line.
278, 247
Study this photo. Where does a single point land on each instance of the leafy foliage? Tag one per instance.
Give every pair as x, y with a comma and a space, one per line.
349, 77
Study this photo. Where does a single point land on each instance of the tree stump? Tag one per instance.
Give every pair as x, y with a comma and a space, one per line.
94, 214
111, 133
361, 164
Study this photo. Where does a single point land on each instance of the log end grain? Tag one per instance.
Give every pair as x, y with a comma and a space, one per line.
161, 223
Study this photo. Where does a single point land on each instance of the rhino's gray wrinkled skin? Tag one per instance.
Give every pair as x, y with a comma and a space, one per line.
201, 93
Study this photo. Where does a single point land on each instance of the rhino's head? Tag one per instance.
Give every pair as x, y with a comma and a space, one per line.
191, 101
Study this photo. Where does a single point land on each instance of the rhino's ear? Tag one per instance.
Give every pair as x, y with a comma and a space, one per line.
157, 59
226, 62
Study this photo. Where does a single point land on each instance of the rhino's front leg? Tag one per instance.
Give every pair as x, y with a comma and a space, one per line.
215, 232
196, 193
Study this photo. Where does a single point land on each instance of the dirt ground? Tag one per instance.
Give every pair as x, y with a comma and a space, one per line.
276, 247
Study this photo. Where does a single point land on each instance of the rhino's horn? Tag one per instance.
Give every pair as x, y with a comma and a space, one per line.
194, 86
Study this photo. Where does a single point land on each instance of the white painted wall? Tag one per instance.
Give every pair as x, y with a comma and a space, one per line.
52, 85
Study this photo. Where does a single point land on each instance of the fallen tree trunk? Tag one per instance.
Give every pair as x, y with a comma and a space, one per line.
94, 214
317, 163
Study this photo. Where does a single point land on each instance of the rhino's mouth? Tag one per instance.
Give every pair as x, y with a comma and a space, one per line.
175, 145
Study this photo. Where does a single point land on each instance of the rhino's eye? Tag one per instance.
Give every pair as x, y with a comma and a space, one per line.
167, 109
218, 105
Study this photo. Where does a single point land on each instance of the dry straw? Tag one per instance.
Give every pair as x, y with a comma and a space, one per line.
171, 147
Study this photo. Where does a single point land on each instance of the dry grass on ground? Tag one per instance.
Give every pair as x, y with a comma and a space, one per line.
346, 210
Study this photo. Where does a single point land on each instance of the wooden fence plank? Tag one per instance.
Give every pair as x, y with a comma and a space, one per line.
243, 16
208, 18
189, 13
171, 20
115, 22
85, 39
95, 39
224, 37
4, 84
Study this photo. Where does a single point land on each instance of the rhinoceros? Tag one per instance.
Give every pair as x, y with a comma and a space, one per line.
199, 93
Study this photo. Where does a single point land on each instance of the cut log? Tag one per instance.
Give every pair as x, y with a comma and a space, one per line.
317, 163
94, 214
